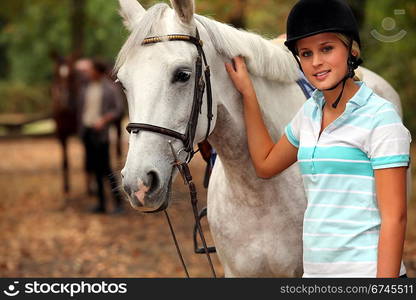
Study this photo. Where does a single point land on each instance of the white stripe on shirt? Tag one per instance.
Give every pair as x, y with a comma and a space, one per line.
342, 248
340, 191
344, 206
339, 234
338, 221
340, 175
335, 159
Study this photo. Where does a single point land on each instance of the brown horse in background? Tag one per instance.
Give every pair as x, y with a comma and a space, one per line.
65, 91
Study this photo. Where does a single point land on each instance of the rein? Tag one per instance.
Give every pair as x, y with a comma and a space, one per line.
187, 138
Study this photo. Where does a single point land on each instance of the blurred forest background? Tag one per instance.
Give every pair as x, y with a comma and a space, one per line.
31, 30
45, 232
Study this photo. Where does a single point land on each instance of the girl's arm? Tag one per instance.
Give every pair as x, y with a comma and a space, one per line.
391, 197
268, 158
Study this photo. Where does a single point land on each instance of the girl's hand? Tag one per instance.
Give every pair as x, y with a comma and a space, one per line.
239, 76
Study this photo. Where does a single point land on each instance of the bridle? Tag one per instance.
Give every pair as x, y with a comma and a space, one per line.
187, 138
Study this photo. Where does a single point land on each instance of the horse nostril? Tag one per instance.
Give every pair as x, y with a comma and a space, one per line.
153, 181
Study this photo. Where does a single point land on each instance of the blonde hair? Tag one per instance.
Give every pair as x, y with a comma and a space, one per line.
355, 48
346, 40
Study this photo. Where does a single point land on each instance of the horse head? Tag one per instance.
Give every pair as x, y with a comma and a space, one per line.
159, 79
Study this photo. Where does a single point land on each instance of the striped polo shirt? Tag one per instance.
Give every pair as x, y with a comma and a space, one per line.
342, 221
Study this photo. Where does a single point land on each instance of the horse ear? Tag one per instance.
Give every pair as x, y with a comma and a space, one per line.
184, 9
131, 11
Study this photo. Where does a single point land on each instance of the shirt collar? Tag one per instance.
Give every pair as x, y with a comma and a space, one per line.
360, 98
362, 95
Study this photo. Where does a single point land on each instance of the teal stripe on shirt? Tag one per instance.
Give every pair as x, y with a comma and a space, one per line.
336, 152
336, 167
389, 160
291, 137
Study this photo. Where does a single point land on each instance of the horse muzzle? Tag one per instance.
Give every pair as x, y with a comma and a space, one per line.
147, 195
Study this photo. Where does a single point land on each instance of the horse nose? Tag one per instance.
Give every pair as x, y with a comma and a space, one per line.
147, 185
147, 190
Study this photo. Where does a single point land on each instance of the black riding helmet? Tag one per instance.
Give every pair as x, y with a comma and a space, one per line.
310, 17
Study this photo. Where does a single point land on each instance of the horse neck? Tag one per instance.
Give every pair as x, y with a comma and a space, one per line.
229, 135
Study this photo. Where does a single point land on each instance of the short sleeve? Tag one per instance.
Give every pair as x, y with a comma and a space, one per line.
389, 140
292, 130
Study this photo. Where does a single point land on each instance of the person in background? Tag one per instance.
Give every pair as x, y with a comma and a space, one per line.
82, 67
100, 104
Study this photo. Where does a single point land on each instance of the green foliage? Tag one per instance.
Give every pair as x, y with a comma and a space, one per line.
268, 17
36, 29
104, 32
17, 97
396, 60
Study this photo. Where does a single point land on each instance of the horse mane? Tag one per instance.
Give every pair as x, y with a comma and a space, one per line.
263, 58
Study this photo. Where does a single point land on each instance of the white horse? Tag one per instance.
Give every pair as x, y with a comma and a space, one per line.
256, 224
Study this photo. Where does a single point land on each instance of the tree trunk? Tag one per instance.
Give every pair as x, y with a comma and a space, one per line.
4, 63
77, 27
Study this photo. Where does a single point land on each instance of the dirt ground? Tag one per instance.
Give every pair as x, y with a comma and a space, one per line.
44, 235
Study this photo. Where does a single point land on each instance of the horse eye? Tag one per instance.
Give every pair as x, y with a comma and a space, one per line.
182, 76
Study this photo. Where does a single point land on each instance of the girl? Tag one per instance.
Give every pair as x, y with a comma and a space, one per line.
352, 149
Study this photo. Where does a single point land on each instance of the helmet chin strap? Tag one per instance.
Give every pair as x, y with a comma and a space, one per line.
343, 81
352, 63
